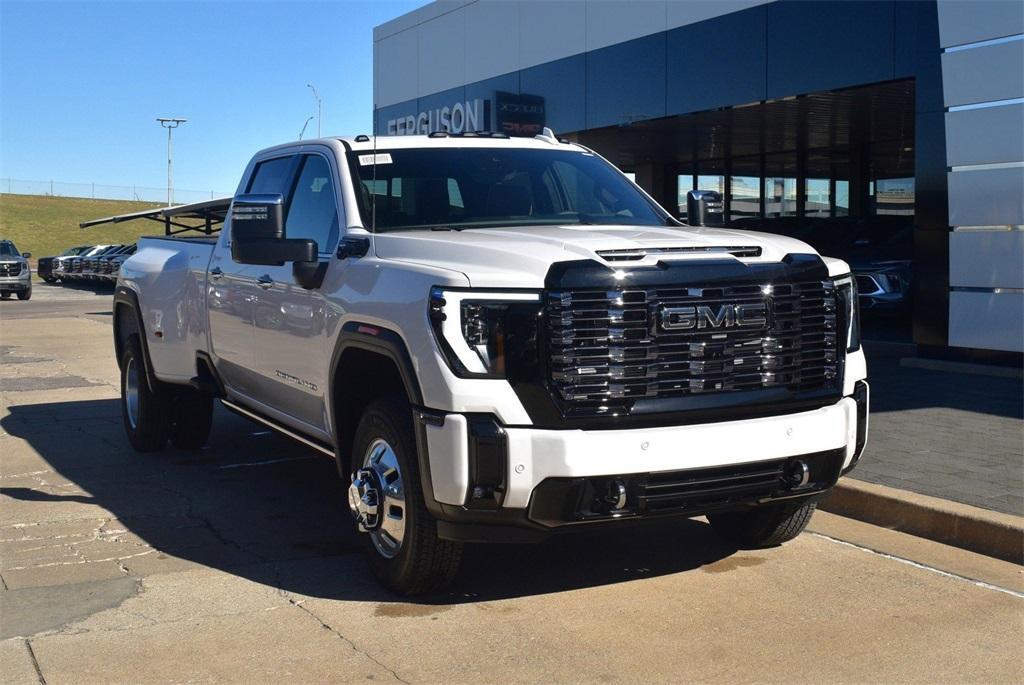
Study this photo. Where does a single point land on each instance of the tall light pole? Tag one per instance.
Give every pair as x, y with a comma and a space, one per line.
170, 124
319, 107
303, 131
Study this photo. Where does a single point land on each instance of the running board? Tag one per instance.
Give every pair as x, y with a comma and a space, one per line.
270, 423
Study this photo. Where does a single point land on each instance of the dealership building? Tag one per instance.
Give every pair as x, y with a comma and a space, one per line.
887, 133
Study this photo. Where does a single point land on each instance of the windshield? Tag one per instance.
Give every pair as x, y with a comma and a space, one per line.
7, 249
462, 188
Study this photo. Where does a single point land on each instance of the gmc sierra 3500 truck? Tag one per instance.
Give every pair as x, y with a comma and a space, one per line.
499, 340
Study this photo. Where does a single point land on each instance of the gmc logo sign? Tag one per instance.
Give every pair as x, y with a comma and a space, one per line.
702, 317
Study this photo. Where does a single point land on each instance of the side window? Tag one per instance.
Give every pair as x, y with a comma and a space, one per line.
270, 176
313, 212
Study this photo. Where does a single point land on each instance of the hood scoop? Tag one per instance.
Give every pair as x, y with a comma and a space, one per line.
636, 254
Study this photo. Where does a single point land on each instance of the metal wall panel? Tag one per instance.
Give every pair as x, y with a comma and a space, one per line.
986, 259
615, 21
971, 21
985, 136
441, 63
717, 63
814, 46
394, 69
550, 30
984, 74
626, 82
563, 85
684, 13
492, 39
986, 197
987, 320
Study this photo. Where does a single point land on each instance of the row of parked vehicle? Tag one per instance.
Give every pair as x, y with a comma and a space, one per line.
85, 263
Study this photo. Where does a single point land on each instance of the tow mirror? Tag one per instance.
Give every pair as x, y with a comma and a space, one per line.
26, 255
704, 208
257, 233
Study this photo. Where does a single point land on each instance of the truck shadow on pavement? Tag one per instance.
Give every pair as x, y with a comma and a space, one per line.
258, 506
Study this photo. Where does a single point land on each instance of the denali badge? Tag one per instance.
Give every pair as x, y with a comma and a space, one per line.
754, 315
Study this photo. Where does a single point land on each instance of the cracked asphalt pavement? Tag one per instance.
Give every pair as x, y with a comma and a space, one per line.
238, 563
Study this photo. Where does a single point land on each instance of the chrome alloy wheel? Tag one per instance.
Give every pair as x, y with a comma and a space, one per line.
131, 392
377, 498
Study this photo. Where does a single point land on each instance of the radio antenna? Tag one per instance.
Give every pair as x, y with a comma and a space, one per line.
373, 191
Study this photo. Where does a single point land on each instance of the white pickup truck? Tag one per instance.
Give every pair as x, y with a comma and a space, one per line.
499, 340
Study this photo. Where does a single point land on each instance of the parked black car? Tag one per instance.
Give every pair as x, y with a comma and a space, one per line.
45, 265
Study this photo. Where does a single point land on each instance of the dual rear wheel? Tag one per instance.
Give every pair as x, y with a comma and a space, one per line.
154, 414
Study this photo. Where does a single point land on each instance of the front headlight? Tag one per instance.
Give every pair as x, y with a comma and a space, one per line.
849, 310
482, 334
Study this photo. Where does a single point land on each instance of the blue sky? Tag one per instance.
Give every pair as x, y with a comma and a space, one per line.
82, 84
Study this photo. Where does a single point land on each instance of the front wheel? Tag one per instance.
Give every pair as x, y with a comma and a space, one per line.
386, 497
145, 413
25, 294
768, 525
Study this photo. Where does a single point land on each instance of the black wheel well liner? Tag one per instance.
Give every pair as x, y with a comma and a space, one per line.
126, 300
380, 355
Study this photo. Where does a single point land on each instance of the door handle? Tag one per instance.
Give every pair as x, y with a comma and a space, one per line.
216, 273
265, 282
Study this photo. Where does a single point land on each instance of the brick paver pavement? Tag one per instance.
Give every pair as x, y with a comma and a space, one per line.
951, 435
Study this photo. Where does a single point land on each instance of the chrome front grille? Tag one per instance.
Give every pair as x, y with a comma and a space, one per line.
609, 349
10, 268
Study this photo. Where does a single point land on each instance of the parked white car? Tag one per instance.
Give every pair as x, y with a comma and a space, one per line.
15, 272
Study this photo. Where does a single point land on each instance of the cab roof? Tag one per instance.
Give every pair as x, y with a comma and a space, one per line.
545, 141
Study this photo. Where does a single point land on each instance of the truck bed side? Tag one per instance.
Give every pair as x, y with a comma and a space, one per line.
169, 277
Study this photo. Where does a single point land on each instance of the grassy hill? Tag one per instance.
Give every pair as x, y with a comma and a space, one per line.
45, 225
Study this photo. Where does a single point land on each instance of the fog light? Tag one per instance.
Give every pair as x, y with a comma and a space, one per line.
616, 497
797, 474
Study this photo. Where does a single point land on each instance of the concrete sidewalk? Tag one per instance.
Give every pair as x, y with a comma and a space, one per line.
955, 436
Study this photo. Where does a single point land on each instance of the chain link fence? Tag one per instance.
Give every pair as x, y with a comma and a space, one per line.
98, 191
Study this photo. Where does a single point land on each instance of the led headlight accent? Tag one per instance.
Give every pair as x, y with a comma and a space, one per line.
471, 328
846, 290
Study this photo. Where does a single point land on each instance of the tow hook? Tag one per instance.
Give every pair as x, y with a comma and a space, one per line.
364, 500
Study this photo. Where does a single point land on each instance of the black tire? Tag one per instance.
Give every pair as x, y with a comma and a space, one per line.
191, 419
49, 279
768, 525
424, 562
147, 427
25, 294
4, 295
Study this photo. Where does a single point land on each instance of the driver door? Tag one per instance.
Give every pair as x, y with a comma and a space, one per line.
291, 346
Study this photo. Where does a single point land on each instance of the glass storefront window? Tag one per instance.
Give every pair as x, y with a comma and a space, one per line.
684, 184
716, 183
779, 196
894, 196
746, 197
842, 198
816, 197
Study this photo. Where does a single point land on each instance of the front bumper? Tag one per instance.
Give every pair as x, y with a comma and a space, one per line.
491, 482
17, 284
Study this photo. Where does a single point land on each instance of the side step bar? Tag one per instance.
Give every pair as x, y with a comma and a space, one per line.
270, 423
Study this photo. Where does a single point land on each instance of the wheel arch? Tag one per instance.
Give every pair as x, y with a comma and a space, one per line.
368, 362
128, 321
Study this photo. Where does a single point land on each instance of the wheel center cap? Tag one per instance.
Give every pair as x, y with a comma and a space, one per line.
364, 500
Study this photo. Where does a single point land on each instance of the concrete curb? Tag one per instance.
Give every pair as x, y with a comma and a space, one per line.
960, 525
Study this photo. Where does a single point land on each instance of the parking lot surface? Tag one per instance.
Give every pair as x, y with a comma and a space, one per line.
239, 563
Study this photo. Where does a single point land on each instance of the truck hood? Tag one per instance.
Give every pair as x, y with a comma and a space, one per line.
520, 257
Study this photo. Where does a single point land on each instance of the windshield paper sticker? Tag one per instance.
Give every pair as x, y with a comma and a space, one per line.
382, 158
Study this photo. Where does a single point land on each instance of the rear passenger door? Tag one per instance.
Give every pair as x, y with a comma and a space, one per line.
291, 348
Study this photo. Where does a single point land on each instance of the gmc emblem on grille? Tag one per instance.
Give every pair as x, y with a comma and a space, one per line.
753, 315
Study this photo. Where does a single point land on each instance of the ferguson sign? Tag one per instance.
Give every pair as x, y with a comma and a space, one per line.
461, 117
